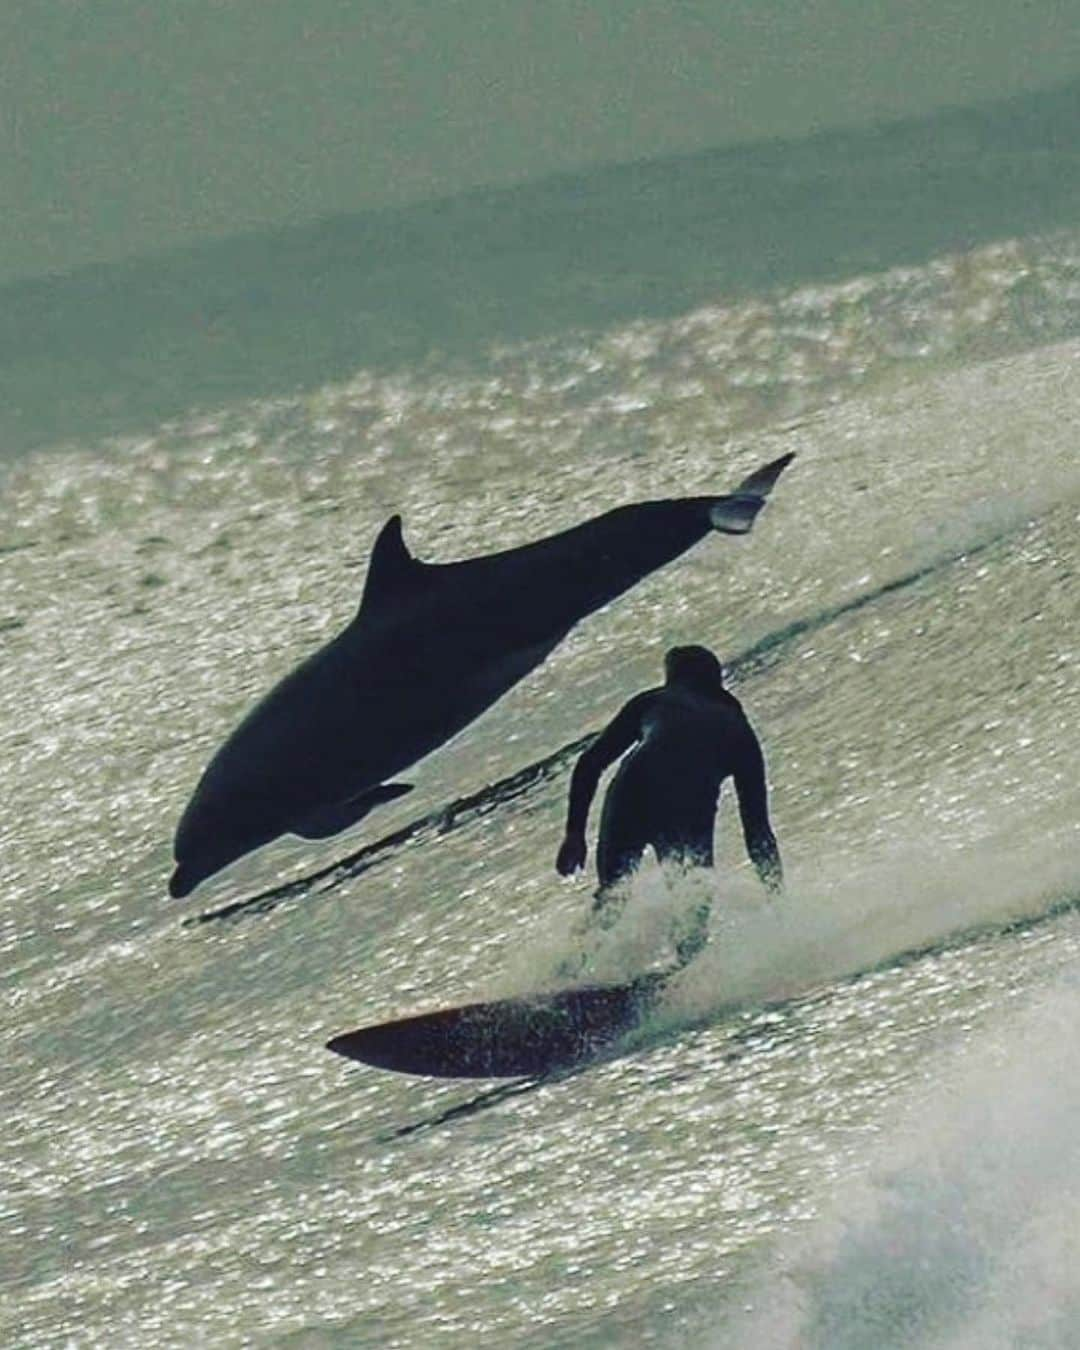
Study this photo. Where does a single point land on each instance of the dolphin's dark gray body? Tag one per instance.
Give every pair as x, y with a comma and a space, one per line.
432, 646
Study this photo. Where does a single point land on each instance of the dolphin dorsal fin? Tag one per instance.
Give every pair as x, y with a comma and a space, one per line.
392, 570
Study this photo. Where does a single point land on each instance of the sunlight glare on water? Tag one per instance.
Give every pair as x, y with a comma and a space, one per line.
185, 1164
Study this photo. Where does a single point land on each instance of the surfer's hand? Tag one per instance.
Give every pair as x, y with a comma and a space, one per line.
571, 855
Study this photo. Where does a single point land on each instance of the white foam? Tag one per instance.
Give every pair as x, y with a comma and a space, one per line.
841, 917
964, 1233
838, 917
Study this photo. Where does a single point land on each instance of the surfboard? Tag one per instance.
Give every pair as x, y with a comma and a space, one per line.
509, 1037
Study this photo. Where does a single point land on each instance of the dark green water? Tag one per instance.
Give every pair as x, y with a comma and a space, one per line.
117, 348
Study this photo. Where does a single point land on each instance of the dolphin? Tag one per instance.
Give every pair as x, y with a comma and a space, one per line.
430, 648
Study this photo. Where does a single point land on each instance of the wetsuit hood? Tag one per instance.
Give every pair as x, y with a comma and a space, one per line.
695, 668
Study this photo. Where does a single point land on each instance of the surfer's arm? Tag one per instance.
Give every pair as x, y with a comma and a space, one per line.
753, 794
616, 738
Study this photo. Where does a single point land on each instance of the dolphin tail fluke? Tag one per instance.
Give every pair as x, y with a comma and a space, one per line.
761, 481
736, 513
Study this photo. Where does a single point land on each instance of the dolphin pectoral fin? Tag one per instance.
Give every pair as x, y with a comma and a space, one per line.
736, 513
330, 820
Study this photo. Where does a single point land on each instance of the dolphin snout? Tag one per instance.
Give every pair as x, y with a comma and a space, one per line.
181, 883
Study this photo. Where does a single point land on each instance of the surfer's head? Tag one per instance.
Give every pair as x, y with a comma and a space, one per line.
694, 668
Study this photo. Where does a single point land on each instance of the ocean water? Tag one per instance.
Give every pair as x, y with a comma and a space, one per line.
852, 1121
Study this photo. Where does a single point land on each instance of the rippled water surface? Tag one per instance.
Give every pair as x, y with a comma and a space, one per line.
183, 1162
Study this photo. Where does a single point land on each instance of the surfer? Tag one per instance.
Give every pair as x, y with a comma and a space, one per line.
684, 739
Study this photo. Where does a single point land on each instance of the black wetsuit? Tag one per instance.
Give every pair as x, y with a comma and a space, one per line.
666, 790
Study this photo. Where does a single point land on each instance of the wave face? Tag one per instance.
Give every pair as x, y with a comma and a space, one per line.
850, 1124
